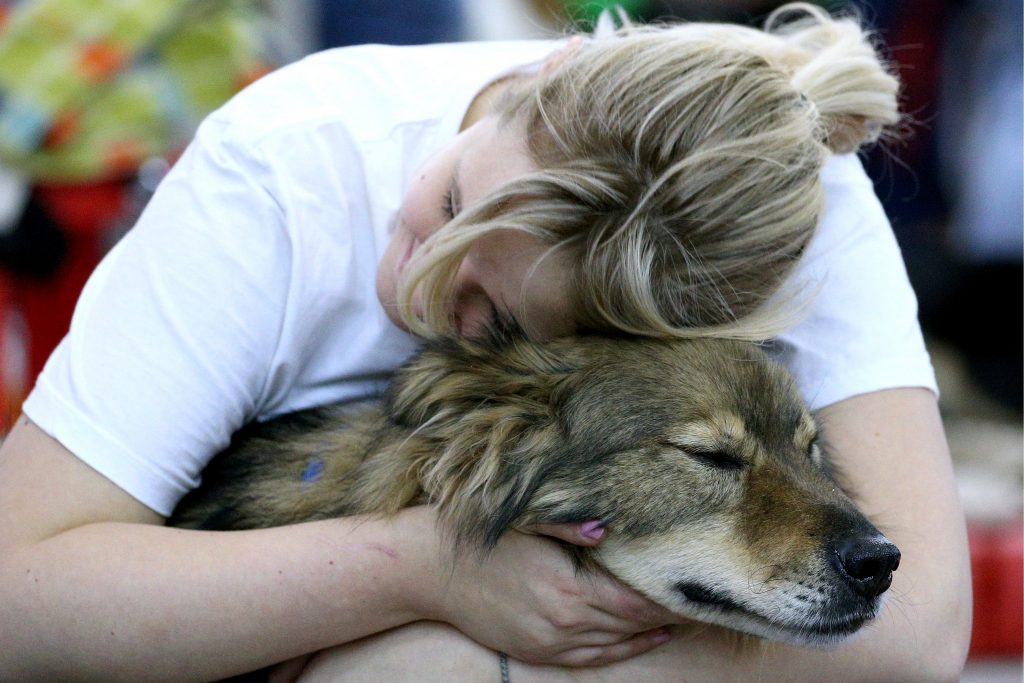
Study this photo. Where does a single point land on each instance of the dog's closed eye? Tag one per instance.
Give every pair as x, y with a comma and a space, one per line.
711, 457
719, 459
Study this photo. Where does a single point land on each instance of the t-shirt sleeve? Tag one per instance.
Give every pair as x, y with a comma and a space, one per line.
861, 333
171, 341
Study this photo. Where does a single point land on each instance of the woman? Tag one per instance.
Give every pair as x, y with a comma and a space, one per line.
657, 182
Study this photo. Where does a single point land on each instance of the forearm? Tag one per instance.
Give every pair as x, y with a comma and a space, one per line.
137, 601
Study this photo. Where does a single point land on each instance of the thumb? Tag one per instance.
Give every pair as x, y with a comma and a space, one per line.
586, 533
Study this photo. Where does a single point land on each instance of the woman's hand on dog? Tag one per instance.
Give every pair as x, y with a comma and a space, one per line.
525, 598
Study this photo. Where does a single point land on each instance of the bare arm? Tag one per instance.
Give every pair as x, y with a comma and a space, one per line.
93, 586
91, 582
891, 446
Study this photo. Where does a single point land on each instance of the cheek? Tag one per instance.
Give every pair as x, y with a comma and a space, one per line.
422, 210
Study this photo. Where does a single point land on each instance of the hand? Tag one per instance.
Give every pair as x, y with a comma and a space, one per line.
525, 598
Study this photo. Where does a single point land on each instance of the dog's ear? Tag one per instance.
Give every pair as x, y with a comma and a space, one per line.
451, 377
487, 406
485, 480
501, 486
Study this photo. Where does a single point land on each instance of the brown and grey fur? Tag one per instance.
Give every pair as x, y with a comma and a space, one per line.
699, 456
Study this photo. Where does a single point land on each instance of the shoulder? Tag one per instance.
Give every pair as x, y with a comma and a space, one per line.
849, 194
860, 332
844, 170
372, 88
853, 219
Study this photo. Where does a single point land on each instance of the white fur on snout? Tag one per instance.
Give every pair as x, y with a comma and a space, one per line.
816, 455
776, 603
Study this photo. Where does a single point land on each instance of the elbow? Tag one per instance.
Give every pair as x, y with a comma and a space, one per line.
944, 636
926, 629
955, 631
954, 623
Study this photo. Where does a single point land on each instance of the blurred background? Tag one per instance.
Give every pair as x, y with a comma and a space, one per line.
97, 97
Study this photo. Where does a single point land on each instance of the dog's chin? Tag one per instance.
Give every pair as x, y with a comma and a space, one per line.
808, 630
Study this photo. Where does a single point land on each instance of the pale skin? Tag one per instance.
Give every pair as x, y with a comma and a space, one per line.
127, 598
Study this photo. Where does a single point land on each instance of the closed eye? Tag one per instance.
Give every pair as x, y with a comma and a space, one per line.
721, 460
451, 203
717, 459
499, 322
448, 205
492, 324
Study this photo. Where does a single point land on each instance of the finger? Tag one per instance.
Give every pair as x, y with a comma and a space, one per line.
616, 652
601, 638
568, 625
586, 533
634, 615
622, 602
597, 620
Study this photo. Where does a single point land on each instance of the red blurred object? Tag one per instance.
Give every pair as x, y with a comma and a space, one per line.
997, 565
85, 212
38, 312
88, 209
12, 356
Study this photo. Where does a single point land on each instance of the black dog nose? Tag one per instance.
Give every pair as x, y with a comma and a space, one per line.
867, 563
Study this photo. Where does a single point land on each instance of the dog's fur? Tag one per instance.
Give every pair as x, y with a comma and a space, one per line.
699, 456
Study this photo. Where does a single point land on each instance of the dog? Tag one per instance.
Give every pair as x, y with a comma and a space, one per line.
698, 456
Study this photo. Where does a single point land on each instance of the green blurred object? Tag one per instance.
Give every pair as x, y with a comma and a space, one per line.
585, 13
91, 88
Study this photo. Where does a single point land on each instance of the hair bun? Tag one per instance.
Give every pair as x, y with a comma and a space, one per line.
837, 68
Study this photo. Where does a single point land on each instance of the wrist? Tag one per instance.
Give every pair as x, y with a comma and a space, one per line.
418, 541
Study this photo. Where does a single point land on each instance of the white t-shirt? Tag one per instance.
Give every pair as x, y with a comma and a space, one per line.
247, 288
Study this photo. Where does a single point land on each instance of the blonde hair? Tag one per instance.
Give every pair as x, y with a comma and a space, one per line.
679, 166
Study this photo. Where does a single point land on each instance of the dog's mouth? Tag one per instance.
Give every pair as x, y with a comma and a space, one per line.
809, 630
702, 595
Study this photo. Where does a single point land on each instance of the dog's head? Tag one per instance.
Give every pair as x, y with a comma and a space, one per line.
699, 456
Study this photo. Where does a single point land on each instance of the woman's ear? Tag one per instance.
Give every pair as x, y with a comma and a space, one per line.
555, 59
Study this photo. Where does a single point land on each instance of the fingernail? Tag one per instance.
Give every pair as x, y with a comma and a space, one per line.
592, 529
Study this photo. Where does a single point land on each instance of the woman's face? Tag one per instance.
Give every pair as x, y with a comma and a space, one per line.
497, 277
